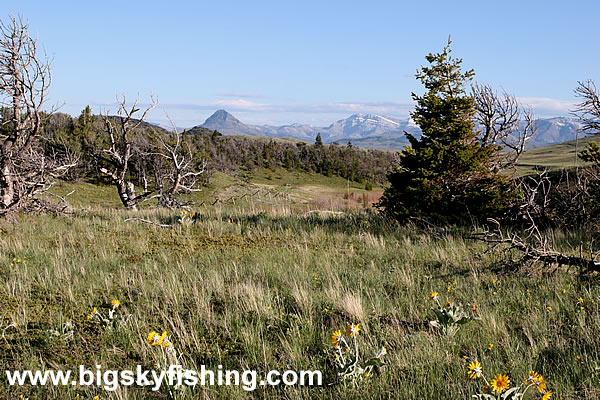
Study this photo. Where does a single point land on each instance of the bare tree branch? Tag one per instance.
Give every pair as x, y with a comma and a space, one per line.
504, 122
25, 167
539, 251
181, 170
588, 111
119, 151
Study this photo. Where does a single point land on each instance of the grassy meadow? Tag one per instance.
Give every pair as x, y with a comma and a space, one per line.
554, 157
258, 281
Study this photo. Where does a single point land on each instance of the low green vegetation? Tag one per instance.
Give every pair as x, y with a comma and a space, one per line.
555, 157
264, 284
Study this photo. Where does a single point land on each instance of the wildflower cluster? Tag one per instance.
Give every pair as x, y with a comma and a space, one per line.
499, 387
17, 260
111, 317
156, 339
166, 354
186, 218
347, 355
450, 317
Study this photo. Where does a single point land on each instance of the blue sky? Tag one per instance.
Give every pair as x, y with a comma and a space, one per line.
310, 62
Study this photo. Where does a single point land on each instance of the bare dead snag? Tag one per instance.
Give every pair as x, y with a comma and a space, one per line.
588, 110
504, 122
181, 172
26, 169
119, 153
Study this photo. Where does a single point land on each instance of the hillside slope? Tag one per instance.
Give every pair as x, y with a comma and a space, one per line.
556, 156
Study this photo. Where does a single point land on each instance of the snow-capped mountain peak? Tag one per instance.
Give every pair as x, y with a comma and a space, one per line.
373, 128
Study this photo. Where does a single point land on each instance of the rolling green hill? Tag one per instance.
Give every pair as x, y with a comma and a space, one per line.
556, 156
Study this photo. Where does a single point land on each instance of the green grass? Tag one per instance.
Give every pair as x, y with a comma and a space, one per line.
556, 156
260, 284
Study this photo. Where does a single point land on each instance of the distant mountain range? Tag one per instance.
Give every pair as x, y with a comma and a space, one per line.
371, 130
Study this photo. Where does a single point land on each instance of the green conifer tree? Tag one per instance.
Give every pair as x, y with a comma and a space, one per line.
446, 175
318, 140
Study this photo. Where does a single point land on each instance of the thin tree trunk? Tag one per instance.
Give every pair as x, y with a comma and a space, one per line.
7, 187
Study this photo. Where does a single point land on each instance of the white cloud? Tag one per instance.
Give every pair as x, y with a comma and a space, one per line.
547, 107
237, 104
240, 95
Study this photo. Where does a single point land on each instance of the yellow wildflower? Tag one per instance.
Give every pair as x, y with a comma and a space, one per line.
540, 383
335, 339
94, 312
352, 330
433, 296
155, 339
115, 304
475, 370
500, 383
547, 395
531, 378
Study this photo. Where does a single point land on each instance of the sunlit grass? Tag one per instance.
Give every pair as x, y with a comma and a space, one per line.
266, 290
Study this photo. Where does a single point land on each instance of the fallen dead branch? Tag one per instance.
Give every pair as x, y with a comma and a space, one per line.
539, 251
326, 212
149, 222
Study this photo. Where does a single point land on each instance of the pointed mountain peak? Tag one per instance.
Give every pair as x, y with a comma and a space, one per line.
220, 116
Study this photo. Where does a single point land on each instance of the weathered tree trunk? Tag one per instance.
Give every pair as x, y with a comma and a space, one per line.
119, 152
25, 169
7, 186
126, 192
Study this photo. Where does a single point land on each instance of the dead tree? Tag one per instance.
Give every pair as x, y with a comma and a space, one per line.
588, 110
504, 121
119, 153
26, 169
179, 172
542, 200
535, 247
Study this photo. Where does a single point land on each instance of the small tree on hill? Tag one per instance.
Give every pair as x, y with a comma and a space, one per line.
319, 141
447, 175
